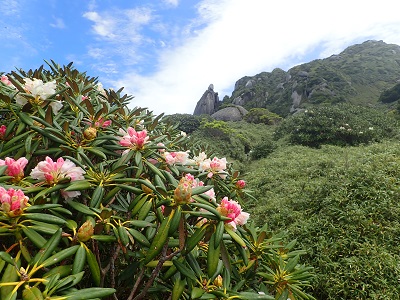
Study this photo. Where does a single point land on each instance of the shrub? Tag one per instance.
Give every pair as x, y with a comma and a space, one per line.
263, 149
185, 122
262, 115
99, 200
342, 124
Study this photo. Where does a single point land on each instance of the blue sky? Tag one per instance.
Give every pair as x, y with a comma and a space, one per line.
167, 52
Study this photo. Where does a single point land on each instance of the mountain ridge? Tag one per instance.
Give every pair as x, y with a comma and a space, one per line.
358, 75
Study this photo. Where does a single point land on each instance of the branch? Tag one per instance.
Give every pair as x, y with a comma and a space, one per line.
154, 274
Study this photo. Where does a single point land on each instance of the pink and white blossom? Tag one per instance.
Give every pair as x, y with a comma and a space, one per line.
233, 210
133, 139
37, 87
53, 171
178, 157
15, 168
195, 182
13, 201
212, 166
4, 79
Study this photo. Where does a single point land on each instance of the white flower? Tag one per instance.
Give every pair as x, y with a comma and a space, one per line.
56, 106
36, 87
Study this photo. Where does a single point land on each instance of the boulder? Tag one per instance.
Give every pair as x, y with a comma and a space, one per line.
208, 103
231, 113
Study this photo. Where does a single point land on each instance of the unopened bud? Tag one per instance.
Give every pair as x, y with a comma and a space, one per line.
218, 281
90, 133
240, 184
183, 192
86, 231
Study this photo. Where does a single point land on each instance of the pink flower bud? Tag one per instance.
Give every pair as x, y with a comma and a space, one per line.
240, 184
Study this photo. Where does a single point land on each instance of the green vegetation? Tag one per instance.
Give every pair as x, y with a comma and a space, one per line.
342, 124
341, 204
335, 192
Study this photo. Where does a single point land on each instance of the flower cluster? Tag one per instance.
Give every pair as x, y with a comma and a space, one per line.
13, 201
178, 157
212, 166
233, 210
15, 168
40, 91
132, 139
52, 172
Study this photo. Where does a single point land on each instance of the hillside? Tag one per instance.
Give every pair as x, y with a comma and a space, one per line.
357, 75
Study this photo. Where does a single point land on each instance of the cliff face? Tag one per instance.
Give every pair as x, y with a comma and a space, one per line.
358, 75
208, 103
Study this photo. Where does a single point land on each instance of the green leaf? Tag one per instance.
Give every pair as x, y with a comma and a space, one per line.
47, 249
93, 266
78, 185
81, 208
159, 239
90, 293
42, 217
60, 256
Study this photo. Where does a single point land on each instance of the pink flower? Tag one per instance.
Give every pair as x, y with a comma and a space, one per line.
3, 129
84, 97
214, 166
13, 201
162, 149
240, 184
218, 165
4, 79
232, 210
179, 157
53, 171
133, 139
15, 168
195, 182
102, 123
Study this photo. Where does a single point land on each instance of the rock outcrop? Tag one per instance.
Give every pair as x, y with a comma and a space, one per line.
339, 78
208, 103
231, 113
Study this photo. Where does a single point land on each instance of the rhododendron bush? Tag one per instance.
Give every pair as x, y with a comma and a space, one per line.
102, 201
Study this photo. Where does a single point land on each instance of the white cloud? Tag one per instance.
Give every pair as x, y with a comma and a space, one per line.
119, 25
58, 23
10, 7
235, 38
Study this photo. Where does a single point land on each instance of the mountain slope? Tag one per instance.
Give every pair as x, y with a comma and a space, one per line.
357, 75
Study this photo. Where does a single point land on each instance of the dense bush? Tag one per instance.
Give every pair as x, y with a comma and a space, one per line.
342, 206
185, 122
262, 115
98, 200
342, 124
263, 149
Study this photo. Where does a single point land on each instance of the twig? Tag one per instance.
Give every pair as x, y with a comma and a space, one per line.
154, 274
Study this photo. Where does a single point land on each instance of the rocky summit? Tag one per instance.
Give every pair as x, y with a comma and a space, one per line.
358, 75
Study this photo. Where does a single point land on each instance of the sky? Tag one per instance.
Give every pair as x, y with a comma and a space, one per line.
167, 52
